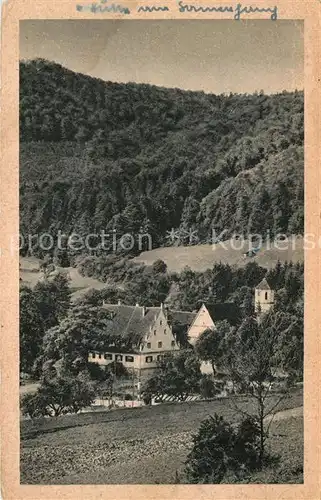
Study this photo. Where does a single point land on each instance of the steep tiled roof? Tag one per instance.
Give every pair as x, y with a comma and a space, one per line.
182, 317
134, 322
263, 285
224, 310
130, 322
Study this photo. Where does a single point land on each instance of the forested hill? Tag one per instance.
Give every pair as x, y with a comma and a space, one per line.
100, 155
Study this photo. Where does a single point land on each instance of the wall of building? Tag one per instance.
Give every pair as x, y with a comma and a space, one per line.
136, 361
264, 300
158, 341
160, 337
202, 322
206, 368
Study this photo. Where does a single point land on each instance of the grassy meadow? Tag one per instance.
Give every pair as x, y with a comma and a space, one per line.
146, 445
202, 257
30, 275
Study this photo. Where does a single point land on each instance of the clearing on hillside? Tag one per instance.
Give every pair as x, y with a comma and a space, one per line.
202, 257
30, 275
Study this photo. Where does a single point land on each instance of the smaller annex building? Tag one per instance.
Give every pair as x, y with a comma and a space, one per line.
208, 314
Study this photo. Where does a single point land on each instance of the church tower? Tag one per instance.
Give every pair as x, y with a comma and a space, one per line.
264, 297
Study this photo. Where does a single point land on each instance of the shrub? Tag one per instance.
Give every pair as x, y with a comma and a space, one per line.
147, 398
159, 266
219, 451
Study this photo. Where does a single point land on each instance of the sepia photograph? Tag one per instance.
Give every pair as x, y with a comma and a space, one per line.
161, 251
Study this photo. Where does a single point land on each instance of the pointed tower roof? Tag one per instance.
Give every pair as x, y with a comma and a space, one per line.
263, 285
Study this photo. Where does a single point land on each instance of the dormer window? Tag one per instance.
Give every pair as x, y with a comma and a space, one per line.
266, 295
149, 345
165, 331
161, 322
154, 332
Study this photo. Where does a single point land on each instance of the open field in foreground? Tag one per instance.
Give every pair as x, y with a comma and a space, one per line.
144, 445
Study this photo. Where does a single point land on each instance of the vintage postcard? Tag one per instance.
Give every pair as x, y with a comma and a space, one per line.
160, 250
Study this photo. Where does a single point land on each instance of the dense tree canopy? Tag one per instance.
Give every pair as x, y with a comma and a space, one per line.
65, 346
134, 158
189, 289
31, 327
53, 299
210, 345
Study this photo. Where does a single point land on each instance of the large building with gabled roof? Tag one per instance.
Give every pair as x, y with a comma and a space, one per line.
146, 333
149, 333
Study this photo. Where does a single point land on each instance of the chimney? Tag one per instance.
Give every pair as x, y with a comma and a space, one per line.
144, 310
162, 306
137, 305
119, 302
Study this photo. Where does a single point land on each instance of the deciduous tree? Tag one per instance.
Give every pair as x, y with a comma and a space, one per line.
178, 375
58, 396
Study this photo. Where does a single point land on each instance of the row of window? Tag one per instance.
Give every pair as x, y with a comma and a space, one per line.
149, 359
160, 344
118, 357
128, 359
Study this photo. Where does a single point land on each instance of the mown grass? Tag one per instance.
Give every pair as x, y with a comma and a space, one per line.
140, 445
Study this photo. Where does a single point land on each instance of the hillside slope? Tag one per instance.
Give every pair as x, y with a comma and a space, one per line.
30, 275
132, 157
202, 257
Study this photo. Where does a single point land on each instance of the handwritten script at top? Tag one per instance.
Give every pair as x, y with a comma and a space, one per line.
100, 8
238, 10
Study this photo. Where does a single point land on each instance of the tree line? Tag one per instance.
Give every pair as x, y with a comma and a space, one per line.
187, 290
